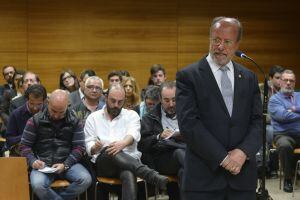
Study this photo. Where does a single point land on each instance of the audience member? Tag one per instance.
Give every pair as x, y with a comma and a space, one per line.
77, 96
18, 82
158, 75
92, 98
8, 72
284, 108
111, 136
55, 138
114, 77
132, 95
28, 79
68, 81
35, 97
273, 88
161, 142
151, 100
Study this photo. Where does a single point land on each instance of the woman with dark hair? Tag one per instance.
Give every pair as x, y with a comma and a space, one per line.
68, 81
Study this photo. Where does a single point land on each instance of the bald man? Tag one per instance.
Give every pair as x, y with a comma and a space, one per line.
54, 138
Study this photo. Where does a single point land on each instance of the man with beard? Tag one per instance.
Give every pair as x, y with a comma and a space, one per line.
161, 142
28, 79
111, 137
219, 114
8, 72
54, 138
284, 108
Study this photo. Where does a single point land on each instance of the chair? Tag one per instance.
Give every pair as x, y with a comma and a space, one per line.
59, 183
14, 178
171, 178
116, 181
296, 151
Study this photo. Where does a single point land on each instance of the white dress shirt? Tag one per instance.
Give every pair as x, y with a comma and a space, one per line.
99, 125
217, 72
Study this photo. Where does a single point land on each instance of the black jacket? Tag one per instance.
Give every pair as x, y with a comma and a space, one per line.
54, 145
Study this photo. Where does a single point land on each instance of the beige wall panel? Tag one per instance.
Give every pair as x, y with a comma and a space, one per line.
13, 23
49, 65
18, 60
106, 26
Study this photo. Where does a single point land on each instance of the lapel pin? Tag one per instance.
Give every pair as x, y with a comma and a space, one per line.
240, 76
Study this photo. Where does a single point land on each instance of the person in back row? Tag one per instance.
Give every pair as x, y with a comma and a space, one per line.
161, 143
111, 137
28, 79
77, 96
54, 138
284, 108
35, 96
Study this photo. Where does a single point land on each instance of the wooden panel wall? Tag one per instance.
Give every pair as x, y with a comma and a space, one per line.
46, 36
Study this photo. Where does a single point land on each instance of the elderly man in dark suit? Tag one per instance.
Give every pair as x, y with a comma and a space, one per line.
220, 116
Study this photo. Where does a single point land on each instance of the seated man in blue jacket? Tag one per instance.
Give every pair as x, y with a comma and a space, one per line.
284, 108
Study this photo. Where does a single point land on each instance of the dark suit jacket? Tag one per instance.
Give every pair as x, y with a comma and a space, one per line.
210, 132
74, 98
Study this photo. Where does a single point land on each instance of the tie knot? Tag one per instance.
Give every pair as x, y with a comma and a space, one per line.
224, 68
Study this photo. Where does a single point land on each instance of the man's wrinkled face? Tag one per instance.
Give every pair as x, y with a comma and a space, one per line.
223, 42
168, 100
28, 80
115, 102
287, 83
93, 89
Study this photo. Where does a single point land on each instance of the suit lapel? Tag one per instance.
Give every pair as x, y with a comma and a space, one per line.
238, 85
212, 84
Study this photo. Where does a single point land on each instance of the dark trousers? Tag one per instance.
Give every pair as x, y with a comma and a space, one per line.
226, 194
286, 145
122, 166
171, 163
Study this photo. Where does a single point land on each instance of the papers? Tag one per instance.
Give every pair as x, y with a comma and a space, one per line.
48, 170
174, 134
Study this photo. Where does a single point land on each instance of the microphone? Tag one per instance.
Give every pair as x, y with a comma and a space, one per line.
262, 192
240, 54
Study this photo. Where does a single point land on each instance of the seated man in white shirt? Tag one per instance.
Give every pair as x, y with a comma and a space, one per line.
111, 137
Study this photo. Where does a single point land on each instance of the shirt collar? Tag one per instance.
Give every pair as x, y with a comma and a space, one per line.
214, 67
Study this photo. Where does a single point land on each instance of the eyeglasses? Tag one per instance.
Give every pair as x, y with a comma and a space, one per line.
288, 80
67, 77
218, 41
92, 87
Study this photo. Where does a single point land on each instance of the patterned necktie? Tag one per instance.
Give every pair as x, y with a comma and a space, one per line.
226, 89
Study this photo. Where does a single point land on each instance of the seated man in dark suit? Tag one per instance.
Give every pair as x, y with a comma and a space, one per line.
161, 142
35, 97
284, 108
